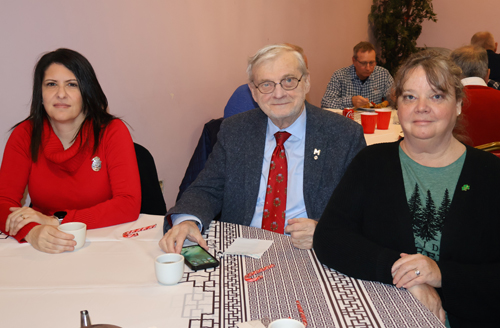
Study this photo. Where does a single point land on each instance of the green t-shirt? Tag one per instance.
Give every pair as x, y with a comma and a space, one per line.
429, 191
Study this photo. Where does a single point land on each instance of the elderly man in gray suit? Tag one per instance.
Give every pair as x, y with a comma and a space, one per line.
273, 167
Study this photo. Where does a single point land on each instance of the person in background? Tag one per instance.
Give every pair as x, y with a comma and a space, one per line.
272, 167
359, 84
482, 108
242, 100
421, 213
487, 41
76, 159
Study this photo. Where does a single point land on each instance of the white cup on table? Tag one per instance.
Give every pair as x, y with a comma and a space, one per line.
286, 323
77, 229
169, 268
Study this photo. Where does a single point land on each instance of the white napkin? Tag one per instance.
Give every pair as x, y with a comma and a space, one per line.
251, 324
249, 247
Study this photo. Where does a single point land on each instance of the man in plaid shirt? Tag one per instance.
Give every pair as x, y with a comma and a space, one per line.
359, 84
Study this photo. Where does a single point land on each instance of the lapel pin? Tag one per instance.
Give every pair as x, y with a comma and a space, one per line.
96, 164
316, 153
465, 187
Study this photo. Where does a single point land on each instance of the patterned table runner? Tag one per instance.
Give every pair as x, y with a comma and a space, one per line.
330, 299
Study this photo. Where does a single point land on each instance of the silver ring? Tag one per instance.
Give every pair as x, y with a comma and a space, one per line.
417, 273
22, 216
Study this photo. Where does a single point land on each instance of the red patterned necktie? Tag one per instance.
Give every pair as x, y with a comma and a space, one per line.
273, 218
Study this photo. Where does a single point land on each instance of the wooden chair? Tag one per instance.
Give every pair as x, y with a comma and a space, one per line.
492, 147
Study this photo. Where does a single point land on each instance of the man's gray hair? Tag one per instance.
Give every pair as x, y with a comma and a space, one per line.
472, 60
270, 52
484, 40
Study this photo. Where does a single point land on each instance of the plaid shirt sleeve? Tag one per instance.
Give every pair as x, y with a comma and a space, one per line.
494, 84
389, 81
345, 84
339, 90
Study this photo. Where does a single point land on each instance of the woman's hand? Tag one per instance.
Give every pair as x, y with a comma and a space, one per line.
428, 296
21, 216
416, 269
48, 239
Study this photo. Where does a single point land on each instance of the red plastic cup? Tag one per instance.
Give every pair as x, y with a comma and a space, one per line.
369, 121
349, 113
383, 118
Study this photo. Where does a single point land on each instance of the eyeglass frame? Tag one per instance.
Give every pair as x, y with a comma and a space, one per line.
364, 64
275, 84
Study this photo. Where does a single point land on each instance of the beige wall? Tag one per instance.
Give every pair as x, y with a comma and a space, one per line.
458, 20
169, 66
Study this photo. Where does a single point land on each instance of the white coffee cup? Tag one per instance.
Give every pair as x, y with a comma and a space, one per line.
77, 229
286, 323
169, 268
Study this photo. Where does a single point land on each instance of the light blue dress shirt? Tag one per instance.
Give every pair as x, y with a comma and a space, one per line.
294, 149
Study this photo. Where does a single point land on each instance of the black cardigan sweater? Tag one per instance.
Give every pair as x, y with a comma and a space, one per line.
367, 224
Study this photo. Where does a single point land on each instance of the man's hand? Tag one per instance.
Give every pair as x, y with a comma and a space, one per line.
428, 296
302, 231
21, 216
403, 271
359, 102
49, 239
173, 240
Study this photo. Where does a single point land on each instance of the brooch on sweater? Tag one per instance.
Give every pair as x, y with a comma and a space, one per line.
96, 163
465, 187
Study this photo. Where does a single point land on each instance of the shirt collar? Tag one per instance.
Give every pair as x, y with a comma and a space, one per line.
297, 129
474, 80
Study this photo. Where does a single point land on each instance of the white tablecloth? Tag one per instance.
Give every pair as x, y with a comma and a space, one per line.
112, 277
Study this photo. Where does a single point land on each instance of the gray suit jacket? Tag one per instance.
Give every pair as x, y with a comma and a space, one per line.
230, 181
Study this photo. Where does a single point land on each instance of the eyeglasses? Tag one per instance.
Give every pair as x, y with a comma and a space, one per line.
364, 64
288, 83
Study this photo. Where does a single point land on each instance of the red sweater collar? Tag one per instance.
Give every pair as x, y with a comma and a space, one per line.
72, 158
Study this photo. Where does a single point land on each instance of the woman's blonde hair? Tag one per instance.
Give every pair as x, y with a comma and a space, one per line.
442, 75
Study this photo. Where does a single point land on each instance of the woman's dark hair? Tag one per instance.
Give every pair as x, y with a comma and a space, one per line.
94, 101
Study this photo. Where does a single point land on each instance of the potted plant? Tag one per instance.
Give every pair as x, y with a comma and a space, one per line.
396, 25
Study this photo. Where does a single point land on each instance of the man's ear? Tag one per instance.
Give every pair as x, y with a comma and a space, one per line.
307, 83
487, 77
253, 90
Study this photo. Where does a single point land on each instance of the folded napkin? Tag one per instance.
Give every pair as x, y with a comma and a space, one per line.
249, 247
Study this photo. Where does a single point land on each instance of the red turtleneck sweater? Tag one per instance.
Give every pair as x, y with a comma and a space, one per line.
63, 180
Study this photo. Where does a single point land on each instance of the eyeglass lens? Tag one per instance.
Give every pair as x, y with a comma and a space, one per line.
288, 83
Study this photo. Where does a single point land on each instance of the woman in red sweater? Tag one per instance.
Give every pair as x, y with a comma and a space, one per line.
76, 159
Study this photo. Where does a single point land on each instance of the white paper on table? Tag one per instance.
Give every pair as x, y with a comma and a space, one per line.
249, 247
251, 324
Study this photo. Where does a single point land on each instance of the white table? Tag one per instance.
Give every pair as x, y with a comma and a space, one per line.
113, 278
380, 136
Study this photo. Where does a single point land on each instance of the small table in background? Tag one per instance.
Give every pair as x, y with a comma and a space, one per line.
380, 136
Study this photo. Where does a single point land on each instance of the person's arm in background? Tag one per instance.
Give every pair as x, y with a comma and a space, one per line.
333, 97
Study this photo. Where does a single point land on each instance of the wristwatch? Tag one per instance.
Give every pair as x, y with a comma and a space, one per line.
59, 216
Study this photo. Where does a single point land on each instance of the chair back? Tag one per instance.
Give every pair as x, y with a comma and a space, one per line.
481, 111
152, 196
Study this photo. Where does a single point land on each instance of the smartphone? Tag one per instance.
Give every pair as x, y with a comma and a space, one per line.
198, 258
